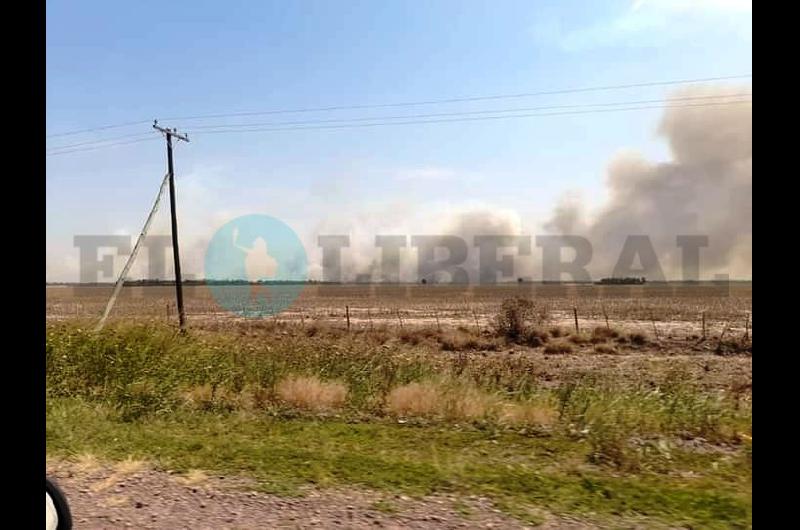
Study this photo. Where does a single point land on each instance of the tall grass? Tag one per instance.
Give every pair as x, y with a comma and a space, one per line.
310, 393
151, 370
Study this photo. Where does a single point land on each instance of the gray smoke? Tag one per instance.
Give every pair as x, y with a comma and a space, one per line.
706, 189
362, 259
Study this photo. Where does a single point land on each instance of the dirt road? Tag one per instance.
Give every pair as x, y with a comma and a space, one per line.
132, 495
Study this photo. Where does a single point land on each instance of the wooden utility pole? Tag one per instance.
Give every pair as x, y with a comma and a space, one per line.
169, 133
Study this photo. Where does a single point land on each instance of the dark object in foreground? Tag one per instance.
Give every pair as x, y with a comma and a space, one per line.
62, 518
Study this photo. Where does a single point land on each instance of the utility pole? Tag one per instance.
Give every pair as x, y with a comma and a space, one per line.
169, 133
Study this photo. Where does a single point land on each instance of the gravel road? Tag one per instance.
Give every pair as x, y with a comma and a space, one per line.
133, 495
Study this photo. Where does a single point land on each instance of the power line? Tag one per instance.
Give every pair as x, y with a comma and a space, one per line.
89, 142
412, 122
474, 118
208, 128
415, 103
467, 99
81, 149
100, 128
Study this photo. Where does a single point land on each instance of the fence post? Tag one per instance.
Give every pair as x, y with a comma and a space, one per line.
721, 336
747, 327
575, 313
704, 325
347, 314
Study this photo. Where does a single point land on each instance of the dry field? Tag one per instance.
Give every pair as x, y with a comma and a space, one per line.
666, 320
676, 309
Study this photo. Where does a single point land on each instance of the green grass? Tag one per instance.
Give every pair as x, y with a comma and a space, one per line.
521, 473
613, 448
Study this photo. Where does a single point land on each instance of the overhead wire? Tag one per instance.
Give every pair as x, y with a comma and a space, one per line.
465, 119
465, 113
413, 103
91, 148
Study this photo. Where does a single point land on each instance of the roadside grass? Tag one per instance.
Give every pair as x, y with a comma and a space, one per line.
522, 474
295, 408
149, 371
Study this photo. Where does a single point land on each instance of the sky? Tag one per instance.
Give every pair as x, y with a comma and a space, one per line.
112, 63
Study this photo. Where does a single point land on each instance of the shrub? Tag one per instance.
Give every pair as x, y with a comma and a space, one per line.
558, 346
416, 336
535, 338
602, 334
579, 338
311, 393
516, 318
452, 401
466, 340
414, 399
637, 338
532, 413
466, 403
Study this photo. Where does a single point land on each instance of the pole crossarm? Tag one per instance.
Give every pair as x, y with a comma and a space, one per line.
171, 132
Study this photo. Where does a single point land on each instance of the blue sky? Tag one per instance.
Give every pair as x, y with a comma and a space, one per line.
110, 62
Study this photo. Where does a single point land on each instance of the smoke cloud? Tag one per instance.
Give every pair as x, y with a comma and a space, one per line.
705, 189
362, 259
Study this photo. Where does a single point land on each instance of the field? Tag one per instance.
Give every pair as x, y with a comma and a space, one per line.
639, 414
674, 305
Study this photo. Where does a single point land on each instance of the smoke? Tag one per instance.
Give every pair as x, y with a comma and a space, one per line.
362, 259
705, 189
